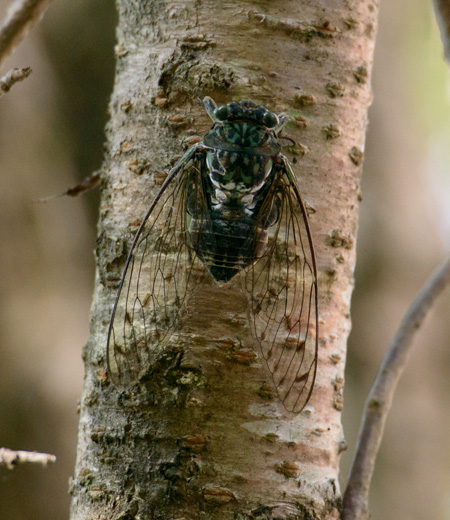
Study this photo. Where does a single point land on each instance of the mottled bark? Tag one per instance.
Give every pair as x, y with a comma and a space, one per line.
207, 438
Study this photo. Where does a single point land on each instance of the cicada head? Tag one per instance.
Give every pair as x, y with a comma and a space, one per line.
243, 126
245, 111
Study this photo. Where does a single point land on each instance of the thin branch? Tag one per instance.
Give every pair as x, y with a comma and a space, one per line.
88, 183
21, 16
11, 458
380, 398
442, 10
13, 77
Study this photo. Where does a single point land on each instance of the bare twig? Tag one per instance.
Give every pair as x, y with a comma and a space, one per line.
88, 183
22, 15
12, 77
380, 398
442, 10
11, 458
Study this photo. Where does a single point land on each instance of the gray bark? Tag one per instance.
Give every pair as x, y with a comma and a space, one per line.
206, 440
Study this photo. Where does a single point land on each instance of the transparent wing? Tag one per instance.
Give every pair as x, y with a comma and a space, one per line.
161, 271
283, 287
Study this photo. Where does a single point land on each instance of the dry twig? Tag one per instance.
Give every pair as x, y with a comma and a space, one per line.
380, 398
11, 458
88, 183
13, 77
22, 15
442, 9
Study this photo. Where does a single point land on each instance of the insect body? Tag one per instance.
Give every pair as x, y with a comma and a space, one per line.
230, 207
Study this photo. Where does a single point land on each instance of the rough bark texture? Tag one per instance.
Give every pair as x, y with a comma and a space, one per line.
207, 439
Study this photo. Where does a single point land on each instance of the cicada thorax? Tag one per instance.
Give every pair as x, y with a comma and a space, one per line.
232, 231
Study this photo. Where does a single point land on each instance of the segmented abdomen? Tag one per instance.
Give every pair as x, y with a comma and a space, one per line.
225, 249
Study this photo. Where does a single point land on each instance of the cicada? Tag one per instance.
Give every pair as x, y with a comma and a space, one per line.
229, 209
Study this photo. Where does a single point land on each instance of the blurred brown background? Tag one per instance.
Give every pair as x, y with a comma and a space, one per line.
51, 135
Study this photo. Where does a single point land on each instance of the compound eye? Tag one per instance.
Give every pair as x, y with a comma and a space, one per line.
271, 120
221, 113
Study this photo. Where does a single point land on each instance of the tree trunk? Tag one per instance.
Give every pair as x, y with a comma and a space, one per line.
207, 439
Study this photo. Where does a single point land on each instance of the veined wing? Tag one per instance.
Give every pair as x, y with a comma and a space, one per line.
283, 287
159, 275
